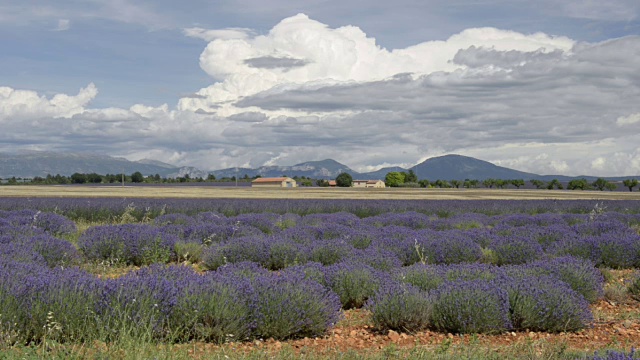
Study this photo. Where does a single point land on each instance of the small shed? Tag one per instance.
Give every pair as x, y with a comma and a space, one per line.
274, 182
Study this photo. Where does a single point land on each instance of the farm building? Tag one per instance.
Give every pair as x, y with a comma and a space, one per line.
368, 183
274, 182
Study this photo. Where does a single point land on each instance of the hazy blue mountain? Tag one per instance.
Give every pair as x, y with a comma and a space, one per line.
381, 174
323, 169
458, 167
188, 170
41, 163
447, 167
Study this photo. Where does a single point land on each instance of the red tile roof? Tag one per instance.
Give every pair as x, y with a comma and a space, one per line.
278, 179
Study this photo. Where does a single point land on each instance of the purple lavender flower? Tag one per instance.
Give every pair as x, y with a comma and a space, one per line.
470, 307
290, 306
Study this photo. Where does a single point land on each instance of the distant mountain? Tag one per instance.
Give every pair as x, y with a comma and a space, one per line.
381, 174
188, 170
323, 169
41, 163
449, 167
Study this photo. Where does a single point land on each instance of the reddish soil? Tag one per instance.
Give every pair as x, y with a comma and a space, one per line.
617, 325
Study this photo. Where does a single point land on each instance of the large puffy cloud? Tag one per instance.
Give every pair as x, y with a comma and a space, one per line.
18, 104
305, 91
299, 50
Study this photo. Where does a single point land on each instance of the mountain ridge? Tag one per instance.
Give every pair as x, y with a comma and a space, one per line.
447, 167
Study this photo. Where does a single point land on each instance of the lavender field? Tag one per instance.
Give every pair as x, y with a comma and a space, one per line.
239, 270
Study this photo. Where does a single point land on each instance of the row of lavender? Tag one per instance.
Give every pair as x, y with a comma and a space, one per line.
326, 262
385, 241
244, 301
107, 209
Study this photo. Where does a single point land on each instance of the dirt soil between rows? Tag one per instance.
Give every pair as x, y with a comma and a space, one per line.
617, 326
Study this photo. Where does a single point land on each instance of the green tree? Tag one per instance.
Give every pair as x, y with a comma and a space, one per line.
578, 184
394, 179
539, 184
423, 183
600, 184
78, 178
489, 183
473, 183
94, 178
456, 183
411, 177
322, 183
443, 184
137, 177
59, 179
630, 183
211, 177
554, 184
611, 186
344, 180
517, 183
501, 183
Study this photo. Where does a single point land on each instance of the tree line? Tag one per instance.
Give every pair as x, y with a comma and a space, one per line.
392, 179
136, 177
410, 179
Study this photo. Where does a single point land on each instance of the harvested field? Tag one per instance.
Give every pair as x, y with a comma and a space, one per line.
211, 192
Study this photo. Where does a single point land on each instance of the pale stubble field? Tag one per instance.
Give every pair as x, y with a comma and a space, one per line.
213, 192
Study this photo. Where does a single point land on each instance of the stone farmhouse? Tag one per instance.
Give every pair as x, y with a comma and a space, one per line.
368, 183
285, 182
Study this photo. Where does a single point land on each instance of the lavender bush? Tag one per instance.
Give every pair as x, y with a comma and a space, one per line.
470, 307
615, 355
255, 249
515, 250
140, 304
353, 283
376, 257
243, 269
546, 304
401, 241
290, 306
580, 274
328, 252
400, 307
213, 308
284, 253
422, 276
313, 271
55, 252
54, 224
131, 244
448, 247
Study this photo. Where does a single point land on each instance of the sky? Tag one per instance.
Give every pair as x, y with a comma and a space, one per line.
545, 86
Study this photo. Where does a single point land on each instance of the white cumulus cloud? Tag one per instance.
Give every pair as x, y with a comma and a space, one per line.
17, 104
307, 91
311, 53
